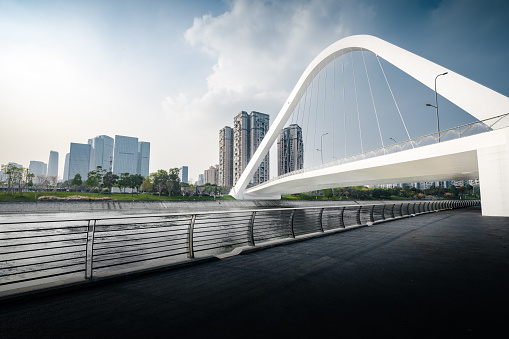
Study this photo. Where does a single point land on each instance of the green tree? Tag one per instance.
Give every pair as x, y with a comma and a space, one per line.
110, 180
173, 182
327, 193
77, 181
12, 172
135, 181
123, 181
160, 180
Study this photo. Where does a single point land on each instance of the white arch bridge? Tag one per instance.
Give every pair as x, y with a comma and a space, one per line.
475, 150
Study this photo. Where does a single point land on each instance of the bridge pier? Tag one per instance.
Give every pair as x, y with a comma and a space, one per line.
493, 165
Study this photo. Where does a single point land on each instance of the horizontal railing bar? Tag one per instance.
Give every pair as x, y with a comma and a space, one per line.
135, 261
48, 269
220, 230
135, 242
80, 262
42, 277
138, 232
42, 229
134, 247
226, 245
43, 248
101, 258
220, 241
45, 236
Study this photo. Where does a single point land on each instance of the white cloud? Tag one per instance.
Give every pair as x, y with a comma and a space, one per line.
261, 49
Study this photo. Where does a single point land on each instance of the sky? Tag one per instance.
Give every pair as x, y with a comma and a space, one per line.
173, 73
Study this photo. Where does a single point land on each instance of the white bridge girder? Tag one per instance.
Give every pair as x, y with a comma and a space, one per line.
477, 100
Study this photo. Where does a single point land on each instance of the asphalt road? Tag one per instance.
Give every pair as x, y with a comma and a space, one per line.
442, 274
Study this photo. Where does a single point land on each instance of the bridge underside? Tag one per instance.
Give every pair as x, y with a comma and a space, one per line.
459, 159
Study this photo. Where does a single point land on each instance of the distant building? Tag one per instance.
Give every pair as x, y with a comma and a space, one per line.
66, 167
290, 150
226, 156
259, 126
37, 167
79, 160
248, 132
125, 155
53, 164
102, 152
183, 174
143, 158
201, 179
211, 175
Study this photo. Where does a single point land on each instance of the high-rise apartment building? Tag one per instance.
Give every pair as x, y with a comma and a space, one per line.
143, 158
201, 179
125, 155
240, 144
102, 152
66, 167
258, 127
211, 175
79, 160
53, 164
248, 132
226, 156
290, 149
183, 174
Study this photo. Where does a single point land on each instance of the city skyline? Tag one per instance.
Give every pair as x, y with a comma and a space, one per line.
115, 66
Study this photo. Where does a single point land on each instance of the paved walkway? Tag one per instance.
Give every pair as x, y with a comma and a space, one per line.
439, 274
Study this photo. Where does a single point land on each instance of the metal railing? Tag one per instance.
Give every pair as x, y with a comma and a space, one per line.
462, 131
38, 252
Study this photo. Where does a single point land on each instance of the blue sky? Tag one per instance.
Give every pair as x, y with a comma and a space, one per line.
174, 72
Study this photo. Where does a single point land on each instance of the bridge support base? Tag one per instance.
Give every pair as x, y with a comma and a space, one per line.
493, 165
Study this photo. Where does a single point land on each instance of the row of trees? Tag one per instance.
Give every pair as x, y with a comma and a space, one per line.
361, 192
99, 179
17, 177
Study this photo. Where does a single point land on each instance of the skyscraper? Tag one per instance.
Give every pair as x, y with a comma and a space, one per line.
183, 174
79, 160
226, 156
102, 152
37, 167
258, 126
125, 155
66, 167
290, 150
53, 164
143, 158
248, 132
240, 144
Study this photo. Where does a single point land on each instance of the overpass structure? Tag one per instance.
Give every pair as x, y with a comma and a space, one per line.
468, 155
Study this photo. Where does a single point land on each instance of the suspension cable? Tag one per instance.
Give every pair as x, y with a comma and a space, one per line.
393, 98
356, 101
333, 99
344, 99
309, 109
316, 111
372, 99
324, 103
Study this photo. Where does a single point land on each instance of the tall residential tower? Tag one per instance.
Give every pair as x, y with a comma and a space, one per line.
290, 150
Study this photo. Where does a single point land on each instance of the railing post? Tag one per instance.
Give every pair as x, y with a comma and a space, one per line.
292, 233
358, 216
342, 218
250, 231
401, 209
392, 211
371, 216
190, 249
89, 250
321, 220
383, 212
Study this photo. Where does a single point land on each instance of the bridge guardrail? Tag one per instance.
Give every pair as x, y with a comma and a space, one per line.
38, 252
477, 127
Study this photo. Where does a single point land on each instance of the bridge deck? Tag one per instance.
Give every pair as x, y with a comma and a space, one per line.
441, 273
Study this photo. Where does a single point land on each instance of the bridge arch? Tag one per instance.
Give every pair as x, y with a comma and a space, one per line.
476, 99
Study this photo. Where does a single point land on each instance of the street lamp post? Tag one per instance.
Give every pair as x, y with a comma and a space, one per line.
436, 103
321, 146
